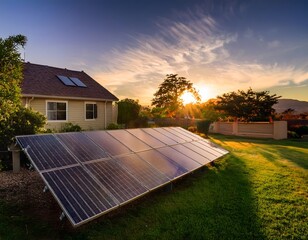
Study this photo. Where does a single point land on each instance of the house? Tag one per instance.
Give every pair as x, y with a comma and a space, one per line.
65, 96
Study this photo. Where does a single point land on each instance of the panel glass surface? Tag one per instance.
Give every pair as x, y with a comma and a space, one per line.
165, 165
170, 135
147, 138
159, 136
187, 133
174, 132
77, 82
116, 180
108, 143
46, 151
66, 81
201, 151
205, 146
181, 159
78, 193
129, 140
143, 171
193, 155
81, 146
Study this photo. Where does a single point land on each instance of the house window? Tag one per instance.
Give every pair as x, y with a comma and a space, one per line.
91, 111
56, 111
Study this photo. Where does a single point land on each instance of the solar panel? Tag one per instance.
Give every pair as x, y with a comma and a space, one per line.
164, 164
129, 140
77, 81
78, 193
183, 160
145, 137
169, 135
91, 173
143, 171
122, 185
81, 146
46, 152
66, 81
108, 143
161, 137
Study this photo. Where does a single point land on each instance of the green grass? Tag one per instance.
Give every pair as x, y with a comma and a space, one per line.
258, 191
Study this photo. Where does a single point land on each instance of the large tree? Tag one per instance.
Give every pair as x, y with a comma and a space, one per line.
168, 96
14, 118
247, 105
128, 110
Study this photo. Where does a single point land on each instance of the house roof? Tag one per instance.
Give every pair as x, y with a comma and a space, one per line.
40, 80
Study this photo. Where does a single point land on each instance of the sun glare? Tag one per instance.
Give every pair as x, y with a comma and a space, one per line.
188, 98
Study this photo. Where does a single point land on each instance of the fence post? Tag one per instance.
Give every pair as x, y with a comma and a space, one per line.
15, 157
280, 130
235, 128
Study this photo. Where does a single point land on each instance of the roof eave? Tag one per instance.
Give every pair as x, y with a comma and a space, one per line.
69, 97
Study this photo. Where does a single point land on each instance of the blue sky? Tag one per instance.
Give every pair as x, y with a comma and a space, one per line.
129, 46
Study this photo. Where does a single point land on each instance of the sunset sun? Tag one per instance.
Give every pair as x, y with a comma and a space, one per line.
188, 97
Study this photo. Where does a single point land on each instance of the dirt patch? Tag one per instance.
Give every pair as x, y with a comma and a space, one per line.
25, 191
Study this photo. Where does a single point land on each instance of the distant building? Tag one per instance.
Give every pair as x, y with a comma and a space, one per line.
64, 96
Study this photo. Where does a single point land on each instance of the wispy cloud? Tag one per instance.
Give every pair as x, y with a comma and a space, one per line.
196, 47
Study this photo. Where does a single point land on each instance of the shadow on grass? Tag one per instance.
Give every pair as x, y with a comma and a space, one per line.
292, 150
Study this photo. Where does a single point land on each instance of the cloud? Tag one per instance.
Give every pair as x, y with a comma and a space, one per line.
196, 47
178, 47
273, 44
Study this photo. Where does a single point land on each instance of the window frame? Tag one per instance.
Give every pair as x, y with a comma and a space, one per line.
66, 110
85, 111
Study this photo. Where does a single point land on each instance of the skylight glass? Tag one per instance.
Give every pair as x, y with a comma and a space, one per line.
77, 81
66, 81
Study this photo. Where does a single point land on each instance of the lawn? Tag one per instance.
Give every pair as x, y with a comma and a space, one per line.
258, 191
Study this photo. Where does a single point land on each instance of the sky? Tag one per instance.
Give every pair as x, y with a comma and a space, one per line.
129, 46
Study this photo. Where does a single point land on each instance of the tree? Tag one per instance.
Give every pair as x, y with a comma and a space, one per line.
168, 96
247, 106
14, 118
128, 110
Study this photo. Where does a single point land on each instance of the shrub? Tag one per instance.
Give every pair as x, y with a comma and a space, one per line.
113, 126
70, 127
302, 130
203, 126
192, 129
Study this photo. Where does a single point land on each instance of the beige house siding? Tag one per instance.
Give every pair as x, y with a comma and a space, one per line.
76, 113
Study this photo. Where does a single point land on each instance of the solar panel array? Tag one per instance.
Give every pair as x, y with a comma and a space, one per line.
91, 173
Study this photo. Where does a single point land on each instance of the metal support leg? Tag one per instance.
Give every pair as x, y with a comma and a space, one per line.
62, 216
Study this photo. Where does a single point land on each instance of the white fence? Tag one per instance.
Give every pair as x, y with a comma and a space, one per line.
276, 129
